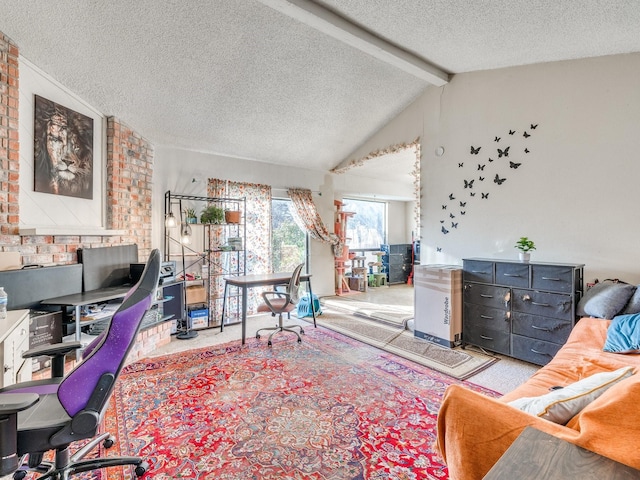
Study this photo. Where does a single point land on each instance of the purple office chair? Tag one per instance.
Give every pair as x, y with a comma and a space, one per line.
56, 412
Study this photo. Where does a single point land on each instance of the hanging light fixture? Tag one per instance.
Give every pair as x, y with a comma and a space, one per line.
170, 220
185, 234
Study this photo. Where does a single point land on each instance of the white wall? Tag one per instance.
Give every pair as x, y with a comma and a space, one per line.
576, 193
175, 169
43, 209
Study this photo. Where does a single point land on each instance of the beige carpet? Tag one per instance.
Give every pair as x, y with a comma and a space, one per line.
393, 314
457, 363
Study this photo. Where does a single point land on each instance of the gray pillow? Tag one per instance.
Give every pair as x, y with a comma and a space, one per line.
634, 304
605, 300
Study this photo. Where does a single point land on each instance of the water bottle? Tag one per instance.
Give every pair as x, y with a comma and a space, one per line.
3, 304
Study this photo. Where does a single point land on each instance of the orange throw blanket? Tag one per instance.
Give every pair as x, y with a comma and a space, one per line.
474, 431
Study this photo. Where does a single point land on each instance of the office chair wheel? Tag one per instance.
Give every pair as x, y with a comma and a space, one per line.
19, 475
257, 335
108, 442
269, 343
142, 469
299, 340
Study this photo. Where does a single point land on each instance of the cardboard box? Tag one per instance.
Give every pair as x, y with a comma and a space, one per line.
196, 294
45, 328
199, 318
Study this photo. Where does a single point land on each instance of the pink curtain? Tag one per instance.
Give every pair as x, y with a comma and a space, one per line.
307, 214
257, 221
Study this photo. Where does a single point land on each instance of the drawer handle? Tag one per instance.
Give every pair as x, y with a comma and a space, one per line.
539, 353
486, 338
484, 295
486, 317
540, 328
551, 278
479, 271
540, 304
511, 274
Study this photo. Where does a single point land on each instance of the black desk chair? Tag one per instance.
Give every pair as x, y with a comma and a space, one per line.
278, 303
67, 409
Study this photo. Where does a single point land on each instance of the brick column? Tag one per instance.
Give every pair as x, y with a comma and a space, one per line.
9, 140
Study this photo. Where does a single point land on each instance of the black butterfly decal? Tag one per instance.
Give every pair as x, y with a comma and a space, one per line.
460, 165
485, 195
451, 197
475, 151
451, 215
497, 139
511, 132
468, 183
472, 194
499, 180
444, 230
441, 221
454, 225
513, 164
463, 212
444, 207
438, 249
481, 167
463, 204
504, 152
491, 159
533, 127
481, 179
526, 135
526, 150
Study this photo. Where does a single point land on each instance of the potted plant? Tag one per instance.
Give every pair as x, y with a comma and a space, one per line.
232, 216
212, 214
525, 246
190, 215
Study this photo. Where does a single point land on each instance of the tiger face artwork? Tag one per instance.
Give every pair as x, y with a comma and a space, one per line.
63, 150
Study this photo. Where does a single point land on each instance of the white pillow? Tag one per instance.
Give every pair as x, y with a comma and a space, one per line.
562, 405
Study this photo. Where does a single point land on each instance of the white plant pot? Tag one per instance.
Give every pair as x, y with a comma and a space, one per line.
524, 257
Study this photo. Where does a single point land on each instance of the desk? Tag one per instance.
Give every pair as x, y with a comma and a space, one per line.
77, 300
245, 282
538, 455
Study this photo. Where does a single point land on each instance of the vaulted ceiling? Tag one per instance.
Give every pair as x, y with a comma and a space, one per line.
293, 82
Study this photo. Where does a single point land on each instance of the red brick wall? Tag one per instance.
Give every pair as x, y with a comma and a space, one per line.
128, 193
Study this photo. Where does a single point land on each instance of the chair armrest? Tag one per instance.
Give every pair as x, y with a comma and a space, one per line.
268, 297
57, 352
10, 405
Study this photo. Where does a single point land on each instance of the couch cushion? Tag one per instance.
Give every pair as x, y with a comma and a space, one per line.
605, 300
623, 335
561, 405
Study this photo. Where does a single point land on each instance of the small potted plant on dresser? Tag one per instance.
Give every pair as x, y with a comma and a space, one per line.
525, 246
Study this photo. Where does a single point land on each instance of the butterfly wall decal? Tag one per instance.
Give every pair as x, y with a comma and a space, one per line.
511, 132
472, 194
438, 249
454, 225
526, 135
499, 180
497, 139
451, 197
460, 165
441, 221
451, 215
463, 204
444, 230
475, 151
481, 179
468, 183
490, 159
504, 152
526, 150
513, 164
481, 167
444, 207
533, 127
485, 195
463, 212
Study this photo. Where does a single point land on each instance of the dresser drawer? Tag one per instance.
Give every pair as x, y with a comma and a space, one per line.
477, 271
553, 305
484, 337
488, 295
542, 328
481, 316
553, 278
512, 274
532, 350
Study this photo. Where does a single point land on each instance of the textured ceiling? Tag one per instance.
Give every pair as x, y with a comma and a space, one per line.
239, 78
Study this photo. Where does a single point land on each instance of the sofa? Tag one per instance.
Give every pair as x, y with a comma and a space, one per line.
475, 430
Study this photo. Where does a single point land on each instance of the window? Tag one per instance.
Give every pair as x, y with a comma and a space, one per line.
289, 243
367, 229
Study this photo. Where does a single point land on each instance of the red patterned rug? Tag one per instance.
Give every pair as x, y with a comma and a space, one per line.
328, 408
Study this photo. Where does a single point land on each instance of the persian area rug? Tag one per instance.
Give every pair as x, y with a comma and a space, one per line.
393, 314
457, 363
327, 408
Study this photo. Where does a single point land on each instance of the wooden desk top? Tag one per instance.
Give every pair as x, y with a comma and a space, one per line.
262, 279
540, 456
86, 298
